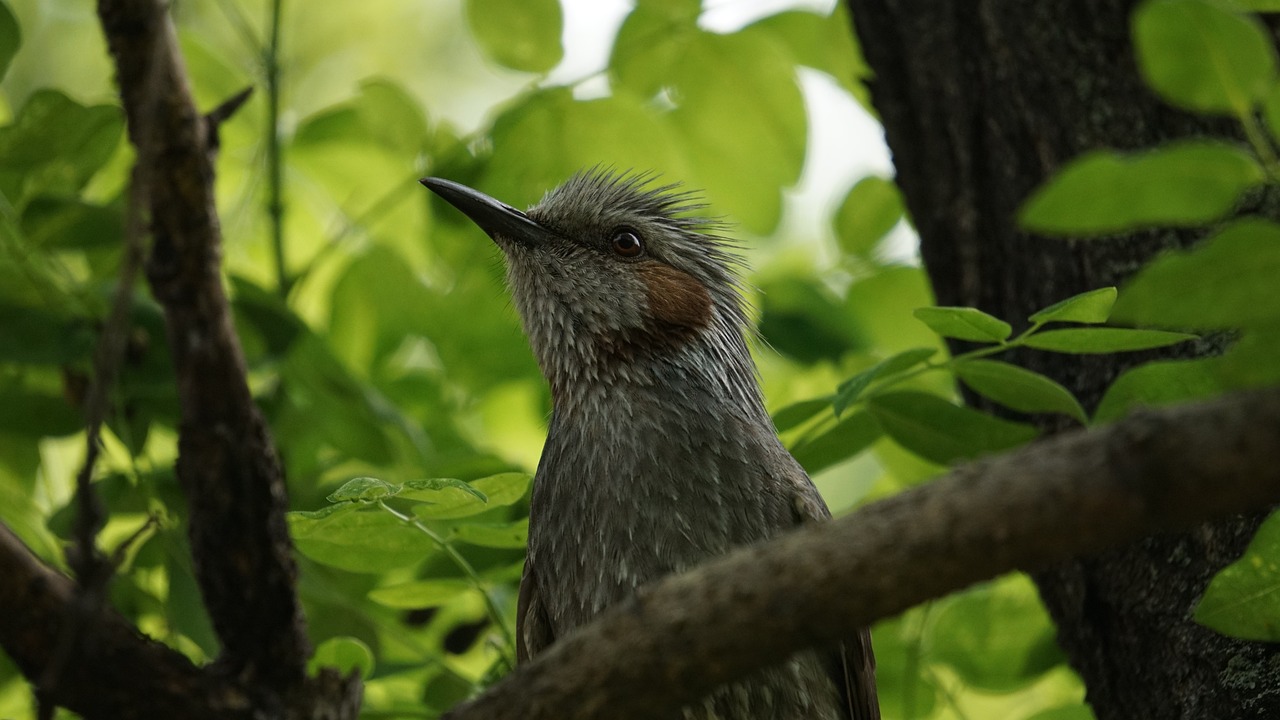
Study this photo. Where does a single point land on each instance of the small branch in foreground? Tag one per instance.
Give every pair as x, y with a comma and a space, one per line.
1071, 495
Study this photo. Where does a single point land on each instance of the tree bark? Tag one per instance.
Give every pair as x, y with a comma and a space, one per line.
981, 102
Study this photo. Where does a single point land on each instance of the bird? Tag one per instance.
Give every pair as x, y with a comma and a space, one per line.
659, 452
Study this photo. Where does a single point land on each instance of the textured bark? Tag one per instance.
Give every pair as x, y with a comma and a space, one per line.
981, 101
90, 659
1075, 494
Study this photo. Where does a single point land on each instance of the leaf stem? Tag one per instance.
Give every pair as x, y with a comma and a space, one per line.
495, 614
275, 177
1261, 145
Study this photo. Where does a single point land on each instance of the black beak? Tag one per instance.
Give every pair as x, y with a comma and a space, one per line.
499, 220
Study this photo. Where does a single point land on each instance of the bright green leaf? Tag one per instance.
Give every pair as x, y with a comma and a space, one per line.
343, 653
1243, 600
1089, 341
422, 593
996, 636
57, 144
514, 535
1203, 56
870, 210
847, 438
850, 391
1073, 711
519, 34
444, 498
795, 414
822, 42
358, 538
1018, 388
1091, 307
10, 37
1186, 183
1228, 281
504, 488
363, 489
963, 323
1159, 383
942, 432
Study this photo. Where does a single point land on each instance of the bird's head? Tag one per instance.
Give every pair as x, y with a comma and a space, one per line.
616, 282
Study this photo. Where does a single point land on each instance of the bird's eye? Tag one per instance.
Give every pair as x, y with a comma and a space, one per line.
627, 244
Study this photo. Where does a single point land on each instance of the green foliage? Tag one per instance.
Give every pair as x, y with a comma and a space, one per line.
10, 37
520, 34
1244, 599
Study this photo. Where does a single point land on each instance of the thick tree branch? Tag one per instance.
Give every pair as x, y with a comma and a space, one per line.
114, 671
1072, 495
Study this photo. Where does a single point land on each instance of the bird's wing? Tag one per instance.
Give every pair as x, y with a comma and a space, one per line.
853, 666
533, 629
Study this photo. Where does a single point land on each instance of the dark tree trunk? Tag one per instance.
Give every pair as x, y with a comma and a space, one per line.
981, 101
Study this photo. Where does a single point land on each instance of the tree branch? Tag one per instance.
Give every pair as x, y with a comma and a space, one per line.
1072, 495
227, 462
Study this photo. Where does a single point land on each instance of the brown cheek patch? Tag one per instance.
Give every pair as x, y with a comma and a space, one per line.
675, 297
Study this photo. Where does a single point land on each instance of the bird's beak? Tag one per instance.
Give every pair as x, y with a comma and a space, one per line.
498, 219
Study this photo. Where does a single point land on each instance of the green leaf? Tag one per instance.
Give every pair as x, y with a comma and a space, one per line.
358, 538
1229, 281
504, 488
34, 412
519, 34
964, 323
56, 144
997, 636
10, 37
343, 653
822, 42
803, 320
795, 414
1202, 56
847, 438
1090, 308
513, 535
422, 593
363, 489
444, 498
57, 223
37, 336
1186, 183
870, 210
1271, 111
1089, 341
1243, 600
1018, 388
942, 432
1073, 711
850, 391
1159, 383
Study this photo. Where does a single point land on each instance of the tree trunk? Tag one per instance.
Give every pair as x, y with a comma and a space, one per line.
981, 101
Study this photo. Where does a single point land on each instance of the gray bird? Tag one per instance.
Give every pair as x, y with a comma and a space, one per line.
660, 453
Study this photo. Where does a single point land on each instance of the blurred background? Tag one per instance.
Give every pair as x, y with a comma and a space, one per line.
380, 339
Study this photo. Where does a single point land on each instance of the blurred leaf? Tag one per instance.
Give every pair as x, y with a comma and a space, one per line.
847, 438
997, 636
822, 42
850, 391
363, 489
1159, 383
55, 144
1186, 183
1271, 111
802, 320
964, 323
347, 413
870, 210
1203, 56
262, 312
1251, 361
358, 539
1074, 711
54, 223
905, 691
651, 43
37, 336
513, 535
1018, 388
35, 414
942, 432
1243, 600
343, 653
519, 34
1228, 281
797, 413
10, 37
422, 593
1091, 307
1085, 341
